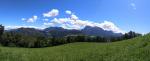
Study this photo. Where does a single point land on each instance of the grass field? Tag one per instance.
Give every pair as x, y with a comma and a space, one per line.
137, 49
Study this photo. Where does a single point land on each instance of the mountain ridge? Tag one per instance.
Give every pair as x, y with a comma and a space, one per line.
61, 32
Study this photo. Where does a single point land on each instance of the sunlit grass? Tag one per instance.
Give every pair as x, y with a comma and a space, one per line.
137, 49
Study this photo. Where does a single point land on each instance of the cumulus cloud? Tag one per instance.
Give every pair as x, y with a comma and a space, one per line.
107, 25
31, 20
52, 13
69, 23
74, 17
68, 12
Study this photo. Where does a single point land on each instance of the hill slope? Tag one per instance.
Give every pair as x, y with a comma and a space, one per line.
137, 49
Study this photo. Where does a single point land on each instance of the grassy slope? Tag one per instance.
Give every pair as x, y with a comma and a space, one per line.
137, 49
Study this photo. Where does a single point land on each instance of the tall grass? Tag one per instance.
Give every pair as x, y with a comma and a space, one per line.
137, 49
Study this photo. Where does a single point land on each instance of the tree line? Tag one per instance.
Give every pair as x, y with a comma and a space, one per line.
13, 39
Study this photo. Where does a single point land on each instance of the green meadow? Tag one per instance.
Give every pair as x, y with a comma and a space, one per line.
136, 49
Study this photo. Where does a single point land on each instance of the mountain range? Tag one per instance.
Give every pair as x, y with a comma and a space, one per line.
61, 32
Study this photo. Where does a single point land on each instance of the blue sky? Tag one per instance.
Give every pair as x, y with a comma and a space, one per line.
125, 14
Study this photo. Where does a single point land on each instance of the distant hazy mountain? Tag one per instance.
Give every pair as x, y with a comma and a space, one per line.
61, 32
97, 31
28, 31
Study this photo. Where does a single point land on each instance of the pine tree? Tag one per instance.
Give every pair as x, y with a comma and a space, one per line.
1, 30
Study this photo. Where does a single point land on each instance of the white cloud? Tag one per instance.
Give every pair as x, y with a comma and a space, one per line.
15, 27
45, 19
74, 17
107, 25
69, 23
33, 19
133, 6
73, 22
23, 19
68, 12
49, 24
52, 13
